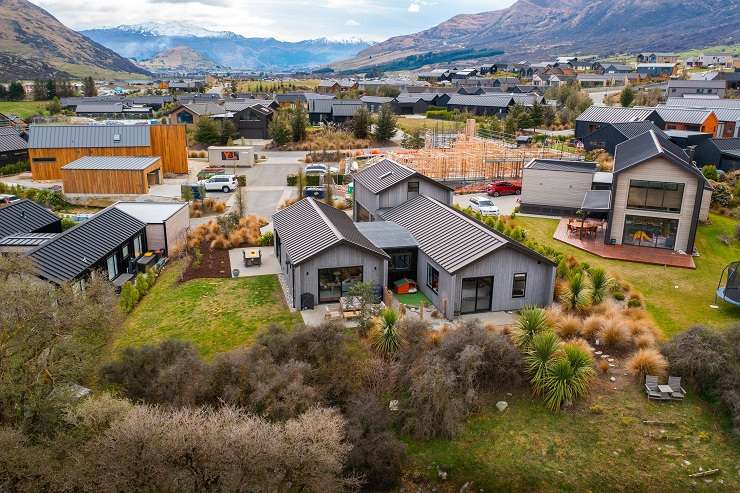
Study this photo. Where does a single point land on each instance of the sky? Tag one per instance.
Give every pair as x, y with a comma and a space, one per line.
289, 20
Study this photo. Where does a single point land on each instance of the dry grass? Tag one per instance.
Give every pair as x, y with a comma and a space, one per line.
615, 334
603, 365
568, 326
580, 343
592, 325
647, 362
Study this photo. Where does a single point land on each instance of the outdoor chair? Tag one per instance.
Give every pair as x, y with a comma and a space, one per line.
675, 384
651, 389
330, 314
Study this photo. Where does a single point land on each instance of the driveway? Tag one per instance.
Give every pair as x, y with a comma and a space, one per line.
266, 182
505, 203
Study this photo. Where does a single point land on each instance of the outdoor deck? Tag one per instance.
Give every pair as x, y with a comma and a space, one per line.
594, 244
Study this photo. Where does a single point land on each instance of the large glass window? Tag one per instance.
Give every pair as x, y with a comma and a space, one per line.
654, 232
476, 295
400, 261
433, 278
519, 287
655, 196
335, 283
112, 265
137, 246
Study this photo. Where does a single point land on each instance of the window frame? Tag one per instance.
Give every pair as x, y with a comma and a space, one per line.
432, 273
513, 284
650, 186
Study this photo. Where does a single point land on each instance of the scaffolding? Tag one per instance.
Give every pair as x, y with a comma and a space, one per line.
473, 155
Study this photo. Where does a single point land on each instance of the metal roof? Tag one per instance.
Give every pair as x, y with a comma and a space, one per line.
71, 136
596, 200
383, 175
408, 99
26, 239
692, 84
151, 212
633, 129
99, 108
243, 104
319, 106
11, 140
204, 109
488, 100
692, 116
376, 99
72, 253
727, 114
603, 177
345, 108
122, 163
308, 227
614, 114
386, 234
727, 144
24, 216
562, 165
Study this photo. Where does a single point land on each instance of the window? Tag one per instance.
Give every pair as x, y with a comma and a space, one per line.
413, 189
655, 196
44, 160
112, 265
433, 278
400, 261
125, 251
519, 287
656, 232
335, 283
138, 249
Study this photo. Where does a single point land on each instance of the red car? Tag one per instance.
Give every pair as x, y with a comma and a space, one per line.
500, 187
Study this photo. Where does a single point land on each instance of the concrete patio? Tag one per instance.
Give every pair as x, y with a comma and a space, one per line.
270, 264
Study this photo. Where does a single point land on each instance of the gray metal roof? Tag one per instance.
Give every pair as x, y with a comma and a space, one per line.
71, 136
243, 104
382, 175
563, 165
386, 234
26, 239
151, 212
693, 84
596, 200
633, 129
704, 103
319, 106
204, 109
487, 100
614, 114
99, 108
449, 237
408, 99
11, 140
309, 227
691, 116
24, 216
727, 144
341, 107
376, 99
72, 253
121, 163
727, 114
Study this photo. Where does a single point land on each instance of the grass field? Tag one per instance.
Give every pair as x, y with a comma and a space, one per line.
601, 445
24, 109
676, 298
214, 314
269, 86
413, 299
442, 126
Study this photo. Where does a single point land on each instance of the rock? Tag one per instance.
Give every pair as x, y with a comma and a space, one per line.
393, 405
441, 474
464, 487
509, 394
502, 405
612, 365
599, 352
612, 379
686, 463
611, 360
604, 356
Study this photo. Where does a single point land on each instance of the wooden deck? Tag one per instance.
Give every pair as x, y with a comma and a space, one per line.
595, 245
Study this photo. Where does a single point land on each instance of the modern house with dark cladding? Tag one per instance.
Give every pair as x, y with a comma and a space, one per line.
13, 148
26, 216
596, 117
610, 134
722, 153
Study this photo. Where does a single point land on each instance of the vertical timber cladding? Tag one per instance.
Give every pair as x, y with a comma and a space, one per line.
170, 143
109, 181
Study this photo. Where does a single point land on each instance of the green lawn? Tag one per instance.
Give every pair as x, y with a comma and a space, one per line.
412, 299
602, 445
214, 314
23, 109
677, 298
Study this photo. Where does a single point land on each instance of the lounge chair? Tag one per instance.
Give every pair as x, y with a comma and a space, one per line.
651, 389
675, 384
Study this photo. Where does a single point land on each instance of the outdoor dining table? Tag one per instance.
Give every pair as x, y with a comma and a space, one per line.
665, 389
252, 257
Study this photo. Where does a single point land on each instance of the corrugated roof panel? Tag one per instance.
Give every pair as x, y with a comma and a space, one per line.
488, 100
99, 108
26, 239
563, 165
382, 175
123, 163
71, 136
614, 114
24, 216
386, 234
704, 103
11, 140
692, 116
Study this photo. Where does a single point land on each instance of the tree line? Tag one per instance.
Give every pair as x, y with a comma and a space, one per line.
47, 90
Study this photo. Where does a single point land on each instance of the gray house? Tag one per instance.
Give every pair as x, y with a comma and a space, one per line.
677, 88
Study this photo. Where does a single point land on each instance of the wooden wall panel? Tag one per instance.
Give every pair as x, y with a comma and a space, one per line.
52, 170
107, 181
170, 143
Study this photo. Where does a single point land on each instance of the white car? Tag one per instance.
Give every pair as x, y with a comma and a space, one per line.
484, 206
220, 183
320, 169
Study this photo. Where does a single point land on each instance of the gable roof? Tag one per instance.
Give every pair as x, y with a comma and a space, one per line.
343, 107
308, 227
487, 100
204, 109
727, 144
693, 84
692, 116
99, 108
633, 129
11, 140
243, 104
319, 106
387, 173
448, 236
120, 163
563, 165
71, 136
24, 216
72, 253
614, 114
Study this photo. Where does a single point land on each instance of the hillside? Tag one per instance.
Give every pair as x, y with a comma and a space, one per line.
178, 58
34, 44
540, 28
226, 49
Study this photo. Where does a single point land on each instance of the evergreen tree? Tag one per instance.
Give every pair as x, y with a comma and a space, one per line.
627, 96
279, 130
413, 140
298, 123
385, 129
39, 90
207, 132
3, 93
51, 89
228, 131
54, 107
536, 115
88, 87
16, 91
361, 123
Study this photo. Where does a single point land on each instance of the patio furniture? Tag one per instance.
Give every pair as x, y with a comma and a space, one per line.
652, 389
677, 392
252, 257
330, 314
350, 306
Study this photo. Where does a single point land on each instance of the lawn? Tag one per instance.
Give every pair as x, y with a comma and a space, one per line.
23, 109
442, 126
214, 314
601, 445
676, 298
412, 299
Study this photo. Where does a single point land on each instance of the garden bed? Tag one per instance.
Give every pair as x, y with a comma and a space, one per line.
213, 263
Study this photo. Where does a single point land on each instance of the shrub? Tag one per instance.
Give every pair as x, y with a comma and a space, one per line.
569, 377
577, 293
532, 320
543, 347
592, 326
267, 239
568, 326
644, 341
722, 194
600, 284
614, 334
387, 338
129, 297
603, 365
710, 172
647, 362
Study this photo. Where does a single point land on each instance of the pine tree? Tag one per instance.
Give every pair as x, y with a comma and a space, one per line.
3, 93
51, 89
16, 91
361, 123
39, 90
279, 130
385, 129
228, 130
207, 132
89, 88
627, 96
536, 115
298, 123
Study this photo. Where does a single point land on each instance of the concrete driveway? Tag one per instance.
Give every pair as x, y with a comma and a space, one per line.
266, 182
505, 203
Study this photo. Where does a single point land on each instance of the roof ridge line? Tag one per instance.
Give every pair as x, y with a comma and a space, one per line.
326, 219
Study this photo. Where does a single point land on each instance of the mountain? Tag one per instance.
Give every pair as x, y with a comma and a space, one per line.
543, 28
34, 44
178, 58
144, 41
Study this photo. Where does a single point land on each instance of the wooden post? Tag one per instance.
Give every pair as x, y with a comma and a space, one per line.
421, 309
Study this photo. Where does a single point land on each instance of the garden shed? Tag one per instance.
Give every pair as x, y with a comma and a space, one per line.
167, 223
112, 175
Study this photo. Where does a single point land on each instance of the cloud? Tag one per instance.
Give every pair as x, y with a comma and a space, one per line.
414, 8
351, 22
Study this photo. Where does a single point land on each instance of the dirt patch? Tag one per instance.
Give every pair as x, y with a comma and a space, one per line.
213, 263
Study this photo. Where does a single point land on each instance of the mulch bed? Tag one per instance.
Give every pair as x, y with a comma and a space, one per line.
214, 263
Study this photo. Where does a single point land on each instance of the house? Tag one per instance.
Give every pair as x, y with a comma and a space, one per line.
189, 114
387, 184
26, 216
332, 110
234, 105
722, 153
375, 103
322, 254
727, 112
595, 117
671, 58
656, 69
658, 195
487, 104
167, 223
725, 60
251, 121
52, 146
732, 79
109, 242
186, 85
13, 148
678, 88
611, 134
411, 104
116, 111
554, 186
615, 68
327, 86
118, 175
694, 119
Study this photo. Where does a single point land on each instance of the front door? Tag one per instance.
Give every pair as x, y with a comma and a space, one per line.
476, 294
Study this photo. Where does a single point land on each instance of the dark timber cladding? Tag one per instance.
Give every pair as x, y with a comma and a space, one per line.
81, 248
26, 216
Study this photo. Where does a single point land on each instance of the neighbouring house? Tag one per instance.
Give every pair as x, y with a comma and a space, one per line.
616, 68
114, 175
332, 110
725, 60
52, 146
686, 138
656, 69
375, 103
234, 105
722, 153
252, 122
555, 186
167, 223
189, 114
411, 104
611, 134
671, 58
693, 119
26, 216
185, 85
483, 105
13, 147
677, 88
658, 195
434, 75
727, 112
113, 111
328, 86
595, 117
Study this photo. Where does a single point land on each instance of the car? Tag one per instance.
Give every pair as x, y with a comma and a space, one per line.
320, 169
484, 205
222, 183
500, 187
8, 199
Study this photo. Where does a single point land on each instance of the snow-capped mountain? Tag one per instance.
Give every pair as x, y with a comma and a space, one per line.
174, 28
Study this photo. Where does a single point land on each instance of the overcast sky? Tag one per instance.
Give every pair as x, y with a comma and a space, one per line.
289, 20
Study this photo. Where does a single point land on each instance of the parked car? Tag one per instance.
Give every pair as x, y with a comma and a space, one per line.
320, 169
484, 205
224, 183
8, 199
500, 187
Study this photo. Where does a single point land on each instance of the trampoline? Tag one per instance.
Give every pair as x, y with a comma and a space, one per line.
730, 292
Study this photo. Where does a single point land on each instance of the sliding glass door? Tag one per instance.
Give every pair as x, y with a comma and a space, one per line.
656, 232
476, 294
335, 283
